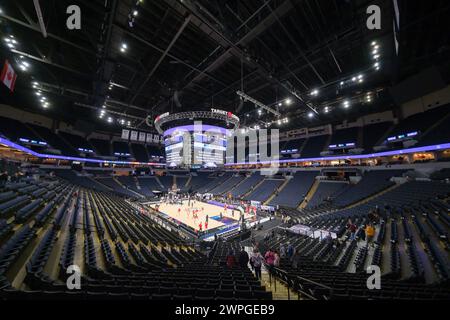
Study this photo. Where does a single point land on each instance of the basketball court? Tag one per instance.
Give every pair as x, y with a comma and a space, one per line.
185, 214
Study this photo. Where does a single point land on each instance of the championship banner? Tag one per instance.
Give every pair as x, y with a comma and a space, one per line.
149, 138
142, 136
134, 135
125, 134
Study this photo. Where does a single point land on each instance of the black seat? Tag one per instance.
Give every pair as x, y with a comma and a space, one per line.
160, 297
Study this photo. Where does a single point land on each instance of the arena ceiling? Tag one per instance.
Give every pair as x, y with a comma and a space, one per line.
179, 55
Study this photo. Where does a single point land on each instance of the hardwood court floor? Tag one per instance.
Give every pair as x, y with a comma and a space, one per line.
185, 215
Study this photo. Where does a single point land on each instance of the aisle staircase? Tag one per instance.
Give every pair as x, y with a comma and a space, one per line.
365, 200
310, 194
124, 187
256, 186
236, 185
188, 182
279, 290
279, 189
160, 183
96, 182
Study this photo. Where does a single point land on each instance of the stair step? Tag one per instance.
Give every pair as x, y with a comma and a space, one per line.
310, 194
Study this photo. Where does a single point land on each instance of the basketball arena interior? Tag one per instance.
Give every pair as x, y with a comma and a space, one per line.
224, 150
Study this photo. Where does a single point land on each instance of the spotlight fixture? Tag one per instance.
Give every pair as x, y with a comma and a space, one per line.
376, 66
315, 92
110, 120
310, 115
123, 47
288, 101
24, 65
135, 13
346, 104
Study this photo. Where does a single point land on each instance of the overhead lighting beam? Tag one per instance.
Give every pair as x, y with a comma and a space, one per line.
37, 7
258, 103
79, 104
46, 61
50, 35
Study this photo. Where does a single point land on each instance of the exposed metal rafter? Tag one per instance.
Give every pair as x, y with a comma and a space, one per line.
256, 102
163, 56
37, 7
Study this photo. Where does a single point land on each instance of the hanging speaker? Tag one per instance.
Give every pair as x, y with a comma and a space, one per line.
176, 99
149, 121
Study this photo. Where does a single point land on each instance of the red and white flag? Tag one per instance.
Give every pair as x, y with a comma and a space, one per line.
8, 76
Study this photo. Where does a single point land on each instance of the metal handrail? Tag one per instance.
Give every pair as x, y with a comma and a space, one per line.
301, 279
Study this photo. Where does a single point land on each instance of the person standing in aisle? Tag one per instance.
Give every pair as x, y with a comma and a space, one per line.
257, 260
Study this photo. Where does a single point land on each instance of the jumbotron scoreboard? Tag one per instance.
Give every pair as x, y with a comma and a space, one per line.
190, 145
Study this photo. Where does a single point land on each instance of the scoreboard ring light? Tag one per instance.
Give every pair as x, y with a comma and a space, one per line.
214, 114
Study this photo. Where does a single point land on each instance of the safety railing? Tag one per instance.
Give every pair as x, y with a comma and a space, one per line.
304, 287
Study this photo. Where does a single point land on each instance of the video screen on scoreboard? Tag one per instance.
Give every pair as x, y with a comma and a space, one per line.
186, 146
174, 147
